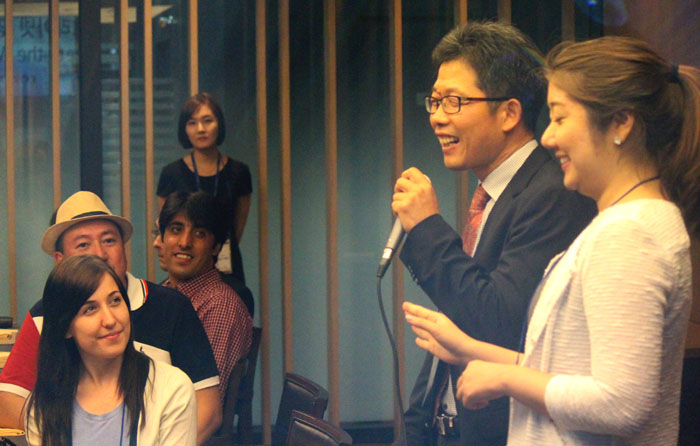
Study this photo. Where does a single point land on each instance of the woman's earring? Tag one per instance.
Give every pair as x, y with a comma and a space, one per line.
617, 141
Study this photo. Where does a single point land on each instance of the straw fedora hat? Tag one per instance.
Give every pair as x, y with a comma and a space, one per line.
80, 207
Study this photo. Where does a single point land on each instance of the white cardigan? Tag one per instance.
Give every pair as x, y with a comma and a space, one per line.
170, 406
610, 324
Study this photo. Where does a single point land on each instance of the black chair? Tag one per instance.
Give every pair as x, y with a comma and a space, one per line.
224, 435
305, 430
244, 403
6, 322
239, 400
299, 394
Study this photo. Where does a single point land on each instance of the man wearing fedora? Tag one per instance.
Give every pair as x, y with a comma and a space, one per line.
165, 325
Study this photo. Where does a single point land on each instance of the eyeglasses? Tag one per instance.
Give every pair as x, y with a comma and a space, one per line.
155, 231
453, 104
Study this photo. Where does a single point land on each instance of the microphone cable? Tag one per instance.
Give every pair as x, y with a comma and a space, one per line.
395, 355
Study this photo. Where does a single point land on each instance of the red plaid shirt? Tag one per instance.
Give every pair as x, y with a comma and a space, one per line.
225, 319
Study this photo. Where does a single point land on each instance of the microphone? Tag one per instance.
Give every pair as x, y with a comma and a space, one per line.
392, 244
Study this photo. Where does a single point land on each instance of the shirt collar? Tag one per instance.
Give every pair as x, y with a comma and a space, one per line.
191, 286
497, 181
137, 291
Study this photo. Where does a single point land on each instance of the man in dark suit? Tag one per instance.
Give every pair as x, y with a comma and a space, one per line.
483, 109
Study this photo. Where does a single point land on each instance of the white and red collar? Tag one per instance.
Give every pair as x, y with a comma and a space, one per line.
137, 289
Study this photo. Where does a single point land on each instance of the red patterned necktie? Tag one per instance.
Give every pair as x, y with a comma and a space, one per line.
476, 212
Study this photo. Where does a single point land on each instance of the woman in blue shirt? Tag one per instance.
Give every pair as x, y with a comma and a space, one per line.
91, 381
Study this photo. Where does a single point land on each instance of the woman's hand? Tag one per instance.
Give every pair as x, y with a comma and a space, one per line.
483, 381
438, 334
480, 383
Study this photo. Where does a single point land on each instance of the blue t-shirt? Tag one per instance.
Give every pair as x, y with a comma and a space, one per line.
109, 429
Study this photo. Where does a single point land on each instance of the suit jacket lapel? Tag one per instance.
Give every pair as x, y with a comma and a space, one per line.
520, 180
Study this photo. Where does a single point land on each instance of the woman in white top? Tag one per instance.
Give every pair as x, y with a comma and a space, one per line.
92, 385
602, 349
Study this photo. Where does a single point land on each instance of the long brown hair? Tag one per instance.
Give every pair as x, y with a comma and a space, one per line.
611, 75
59, 365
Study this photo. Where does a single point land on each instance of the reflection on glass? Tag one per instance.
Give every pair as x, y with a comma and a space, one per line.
32, 144
169, 86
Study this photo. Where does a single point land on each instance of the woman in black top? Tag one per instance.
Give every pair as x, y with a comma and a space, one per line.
202, 129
